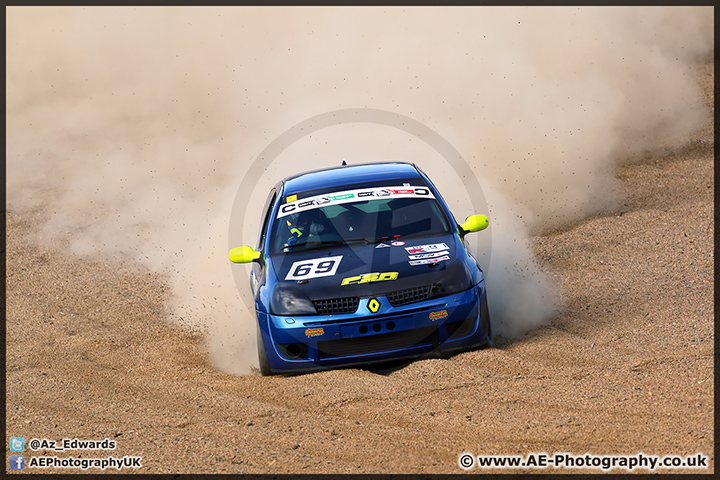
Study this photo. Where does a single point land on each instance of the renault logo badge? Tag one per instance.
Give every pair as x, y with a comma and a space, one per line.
373, 305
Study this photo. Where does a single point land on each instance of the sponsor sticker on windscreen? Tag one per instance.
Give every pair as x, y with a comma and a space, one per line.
349, 196
435, 247
420, 256
428, 261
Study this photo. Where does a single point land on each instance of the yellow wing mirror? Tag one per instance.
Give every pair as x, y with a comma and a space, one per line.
475, 223
244, 254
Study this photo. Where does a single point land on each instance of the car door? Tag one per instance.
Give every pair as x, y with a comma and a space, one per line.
257, 275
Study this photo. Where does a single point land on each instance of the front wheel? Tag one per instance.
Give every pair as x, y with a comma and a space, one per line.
262, 358
485, 318
490, 339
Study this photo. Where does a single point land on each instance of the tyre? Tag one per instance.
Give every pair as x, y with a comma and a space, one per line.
485, 316
490, 339
262, 357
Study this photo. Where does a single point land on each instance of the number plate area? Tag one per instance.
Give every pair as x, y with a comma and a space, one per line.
314, 268
377, 326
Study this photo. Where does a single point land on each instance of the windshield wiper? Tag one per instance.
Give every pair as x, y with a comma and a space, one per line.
344, 241
365, 240
287, 247
326, 243
309, 244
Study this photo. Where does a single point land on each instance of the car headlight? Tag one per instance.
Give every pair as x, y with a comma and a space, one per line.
290, 300
454, 279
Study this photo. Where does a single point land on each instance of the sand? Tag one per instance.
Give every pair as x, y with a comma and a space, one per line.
626, 366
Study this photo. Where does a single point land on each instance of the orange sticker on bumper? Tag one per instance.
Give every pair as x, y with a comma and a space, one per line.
314, 332
438, 315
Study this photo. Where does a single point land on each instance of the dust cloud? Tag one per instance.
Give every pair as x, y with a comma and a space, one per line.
130, 128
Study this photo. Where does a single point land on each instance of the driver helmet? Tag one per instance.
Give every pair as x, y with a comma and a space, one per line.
309, 222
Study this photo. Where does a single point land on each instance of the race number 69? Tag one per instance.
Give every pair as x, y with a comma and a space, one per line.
314, 268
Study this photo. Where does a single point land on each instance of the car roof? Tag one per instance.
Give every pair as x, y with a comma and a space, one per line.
348, 175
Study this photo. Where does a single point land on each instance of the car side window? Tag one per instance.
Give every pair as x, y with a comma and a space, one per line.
267, 211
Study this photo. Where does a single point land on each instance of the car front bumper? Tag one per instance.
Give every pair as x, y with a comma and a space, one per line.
435, 327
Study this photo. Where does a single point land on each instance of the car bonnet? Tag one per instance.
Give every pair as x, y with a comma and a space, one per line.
375, 269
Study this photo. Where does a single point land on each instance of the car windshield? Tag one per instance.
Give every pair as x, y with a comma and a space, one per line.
362, 215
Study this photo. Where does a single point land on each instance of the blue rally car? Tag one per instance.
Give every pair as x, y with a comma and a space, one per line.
363, 264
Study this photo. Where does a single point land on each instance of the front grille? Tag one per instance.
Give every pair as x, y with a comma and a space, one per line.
378, 343
332, 306
409, 295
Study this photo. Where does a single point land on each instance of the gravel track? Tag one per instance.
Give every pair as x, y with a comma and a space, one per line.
625, 367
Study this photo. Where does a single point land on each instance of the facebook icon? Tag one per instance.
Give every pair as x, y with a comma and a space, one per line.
17, 462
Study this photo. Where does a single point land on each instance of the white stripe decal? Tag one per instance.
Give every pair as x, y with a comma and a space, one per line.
350, 196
